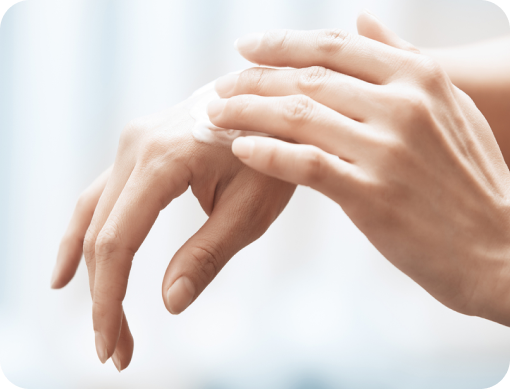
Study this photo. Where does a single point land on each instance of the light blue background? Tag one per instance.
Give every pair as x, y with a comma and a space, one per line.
311, 305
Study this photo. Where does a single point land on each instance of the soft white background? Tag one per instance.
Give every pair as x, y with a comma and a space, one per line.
311, 305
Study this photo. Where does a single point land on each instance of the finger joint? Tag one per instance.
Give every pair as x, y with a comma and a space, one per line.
332, 41
312, 79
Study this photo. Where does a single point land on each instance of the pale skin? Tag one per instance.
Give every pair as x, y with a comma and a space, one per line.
374, 125
382, 130
157, 160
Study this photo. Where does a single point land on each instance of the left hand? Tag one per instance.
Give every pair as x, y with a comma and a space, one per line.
157, 160
384, 133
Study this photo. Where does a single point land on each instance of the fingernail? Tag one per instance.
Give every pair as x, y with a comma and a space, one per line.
365, 10
180, 295
226, 84
53, 278
215, 107
116, 362
101, 350
243, 147
248, 43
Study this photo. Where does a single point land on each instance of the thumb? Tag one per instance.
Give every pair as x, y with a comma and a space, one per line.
245, 210
371, 27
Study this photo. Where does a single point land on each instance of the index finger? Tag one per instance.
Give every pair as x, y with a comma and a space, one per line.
71, 246
335, 49
145, 194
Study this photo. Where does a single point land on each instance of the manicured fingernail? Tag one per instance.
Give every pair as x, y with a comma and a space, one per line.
248, 43
101, 350
215, 107
116, 362
180, 295
226, 84
243, 147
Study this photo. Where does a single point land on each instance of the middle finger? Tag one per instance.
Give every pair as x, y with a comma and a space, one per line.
347, 95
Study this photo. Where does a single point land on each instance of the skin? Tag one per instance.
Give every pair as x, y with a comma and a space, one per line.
157, 160
481, 70
405, 153
382, 130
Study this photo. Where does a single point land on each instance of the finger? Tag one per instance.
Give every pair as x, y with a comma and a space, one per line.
120, 174
125, 345
233, 224
292, 117
347, 95
337, 50
299, 164
71, 246
371, 27
147, 192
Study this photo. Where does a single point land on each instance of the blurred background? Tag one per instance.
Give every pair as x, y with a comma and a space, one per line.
311, 305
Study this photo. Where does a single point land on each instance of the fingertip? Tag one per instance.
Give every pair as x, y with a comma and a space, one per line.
54, 279
242, 147
225, 85
102, 351
123, 353
180, 295
215, 108
365, 22
365, 11
116, 362
248, 44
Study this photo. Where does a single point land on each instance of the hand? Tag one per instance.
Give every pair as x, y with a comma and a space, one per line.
383, 132
156, 161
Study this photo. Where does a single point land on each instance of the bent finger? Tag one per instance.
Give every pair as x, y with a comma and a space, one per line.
233, 224
71, 245
125, 345
147, 192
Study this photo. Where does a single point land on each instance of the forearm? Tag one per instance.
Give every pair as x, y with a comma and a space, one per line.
482, 70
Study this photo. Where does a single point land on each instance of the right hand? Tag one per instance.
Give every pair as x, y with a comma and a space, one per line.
156, 161
383, 132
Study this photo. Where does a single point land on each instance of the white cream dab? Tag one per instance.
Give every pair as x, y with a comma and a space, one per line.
203, 130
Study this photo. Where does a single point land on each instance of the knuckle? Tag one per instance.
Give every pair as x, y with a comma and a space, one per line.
107, 243
332, 41
252, 80
131, 132
160, 153
312, 79
276, 40
297, 109
314, 168
431, 74
411, 105
84, 203
154, 146
89, 243
206, 260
